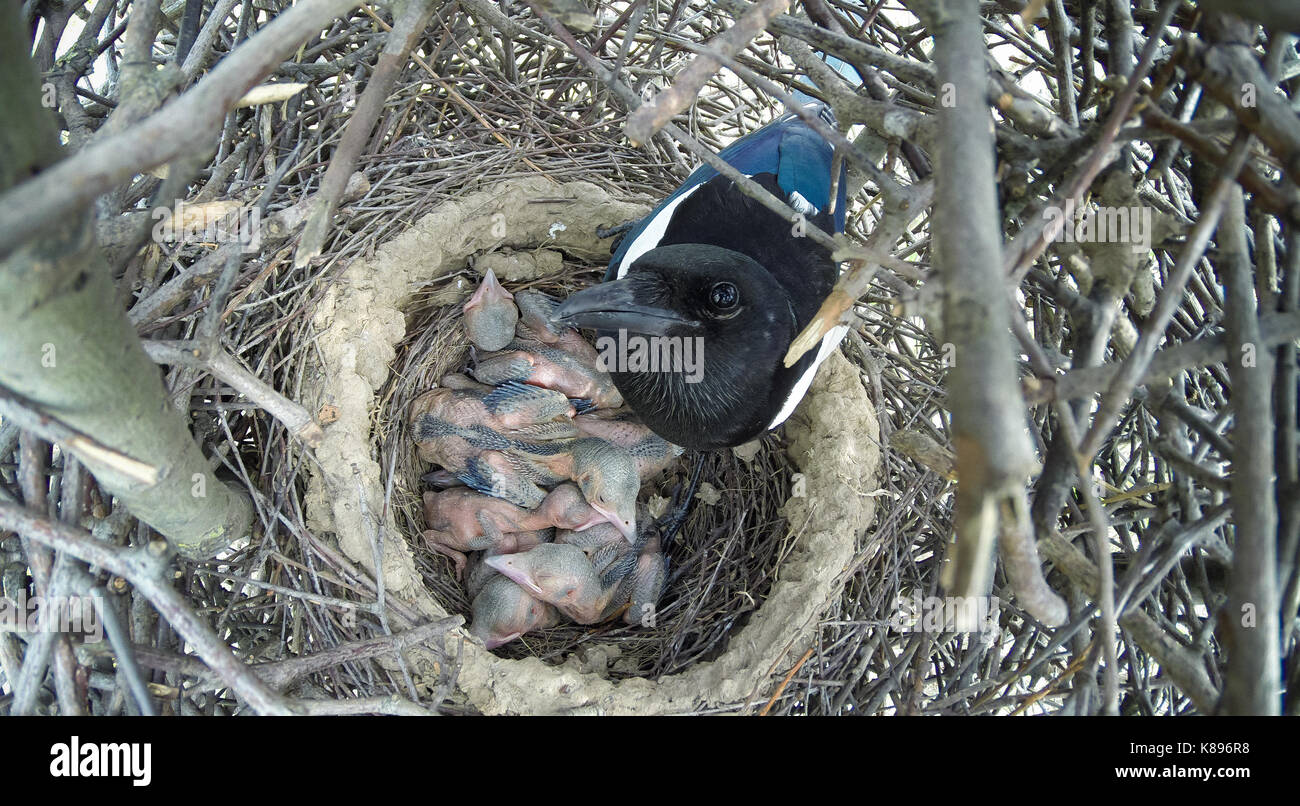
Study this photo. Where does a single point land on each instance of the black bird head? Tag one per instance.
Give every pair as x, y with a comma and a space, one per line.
693, 336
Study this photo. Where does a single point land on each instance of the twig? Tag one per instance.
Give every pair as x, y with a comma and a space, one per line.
1171, 296
181, 126
776, 695
144, 568
651, 117
1253, 680
121, 642
1275, 330
408, 27
1030, 243
993, 453
296, 419
1185, 669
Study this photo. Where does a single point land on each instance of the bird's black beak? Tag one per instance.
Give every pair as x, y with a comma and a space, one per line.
613, 306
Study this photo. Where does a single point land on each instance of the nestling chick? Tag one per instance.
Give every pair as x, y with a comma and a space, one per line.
609, 552
553, 368
548, 355
495, 474
503, 611
651, 452
647, 579
490, 315
450, 426
461, 520
473, 530
560, 575
535, 311
605, 473
639, 571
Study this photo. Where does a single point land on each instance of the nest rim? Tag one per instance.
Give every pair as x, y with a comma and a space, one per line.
494, 683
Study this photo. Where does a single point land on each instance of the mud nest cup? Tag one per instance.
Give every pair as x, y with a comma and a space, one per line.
754, 566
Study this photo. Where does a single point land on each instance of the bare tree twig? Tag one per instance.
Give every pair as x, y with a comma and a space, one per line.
1184, 668
1134, 367
183, 125
408, 26
295, 418
994, 458
144, 568
651, 117
1253, 681
1275, 330
1021, 252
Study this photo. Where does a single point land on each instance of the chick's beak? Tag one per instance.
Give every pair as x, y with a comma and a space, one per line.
512, 572
626, 525
614, 306
597, 518
488, 292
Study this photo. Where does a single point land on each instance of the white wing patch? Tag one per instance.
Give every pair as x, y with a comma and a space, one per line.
654, 232
830, 341
802, 205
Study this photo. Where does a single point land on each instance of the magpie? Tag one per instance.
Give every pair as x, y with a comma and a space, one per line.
712, 269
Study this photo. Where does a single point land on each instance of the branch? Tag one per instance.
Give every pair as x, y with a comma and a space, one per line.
1232, 75
1171, 297
408, 27
1184, 668
295, 418
1253, 683
184, 125
994, 457
651, 117
1274, 330
145, 568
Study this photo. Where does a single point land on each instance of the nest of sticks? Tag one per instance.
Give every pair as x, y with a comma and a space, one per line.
496, 95
721, 563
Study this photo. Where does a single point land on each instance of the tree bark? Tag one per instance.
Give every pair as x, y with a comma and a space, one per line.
67, 352
1254, 669
989, 420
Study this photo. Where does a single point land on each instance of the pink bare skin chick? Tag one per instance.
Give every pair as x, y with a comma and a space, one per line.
550, 356
461, 520
604, 546
450, 426
535, 309
552, 368
560, 575
647, 580
651, 452
605, 473
489, 539
491, 315
502, 611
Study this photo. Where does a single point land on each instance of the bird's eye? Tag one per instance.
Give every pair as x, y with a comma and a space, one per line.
723, 297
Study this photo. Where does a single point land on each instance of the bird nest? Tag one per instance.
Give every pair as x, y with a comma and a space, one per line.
754, 563
328, 594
